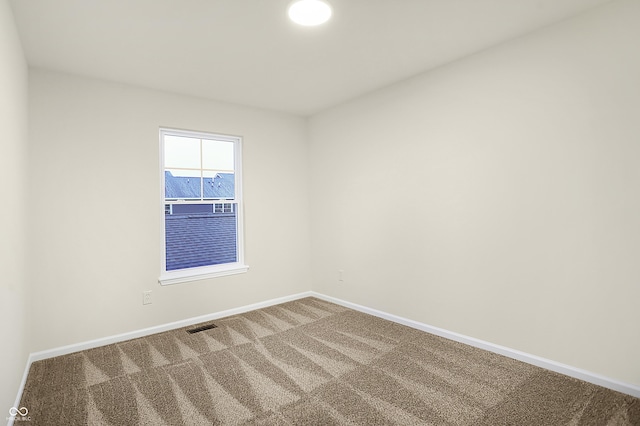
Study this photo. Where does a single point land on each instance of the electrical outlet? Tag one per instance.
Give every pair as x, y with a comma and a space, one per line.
340, 275
146, 297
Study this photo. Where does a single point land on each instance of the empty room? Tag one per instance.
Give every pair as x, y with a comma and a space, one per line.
417, 212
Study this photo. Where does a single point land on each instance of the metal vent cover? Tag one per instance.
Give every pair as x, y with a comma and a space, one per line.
201, 328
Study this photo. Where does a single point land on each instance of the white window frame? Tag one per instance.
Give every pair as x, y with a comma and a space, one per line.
204, 272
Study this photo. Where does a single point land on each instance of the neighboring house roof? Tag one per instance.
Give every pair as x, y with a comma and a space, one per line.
193, 236
179, 187
200, 239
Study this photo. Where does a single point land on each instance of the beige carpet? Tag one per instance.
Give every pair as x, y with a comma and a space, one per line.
309, 362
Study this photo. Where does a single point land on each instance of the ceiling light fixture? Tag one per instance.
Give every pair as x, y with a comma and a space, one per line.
309, 12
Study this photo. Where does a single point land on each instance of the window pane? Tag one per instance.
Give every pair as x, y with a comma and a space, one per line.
179, 185
219, 185
217, 155
199, 238
181, 152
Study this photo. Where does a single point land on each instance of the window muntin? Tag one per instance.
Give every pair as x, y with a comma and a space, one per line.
201, 201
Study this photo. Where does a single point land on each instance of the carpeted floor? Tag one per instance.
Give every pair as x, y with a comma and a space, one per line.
309, 362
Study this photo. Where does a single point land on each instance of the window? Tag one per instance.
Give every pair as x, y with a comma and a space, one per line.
201, 206
223, 208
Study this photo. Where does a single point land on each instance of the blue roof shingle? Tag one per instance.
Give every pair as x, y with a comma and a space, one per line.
222, 186
202, 239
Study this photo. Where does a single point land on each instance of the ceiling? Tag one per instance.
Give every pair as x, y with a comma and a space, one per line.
247, 52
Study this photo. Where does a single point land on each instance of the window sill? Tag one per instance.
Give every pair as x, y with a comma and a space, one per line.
195, 274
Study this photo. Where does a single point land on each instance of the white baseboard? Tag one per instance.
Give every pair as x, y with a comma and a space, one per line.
567, 370
64, 350
548, 364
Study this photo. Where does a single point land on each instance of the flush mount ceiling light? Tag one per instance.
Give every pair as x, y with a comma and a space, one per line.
309, 12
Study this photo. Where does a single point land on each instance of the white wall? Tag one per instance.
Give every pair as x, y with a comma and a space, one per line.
95, 218
498, 196
13, 175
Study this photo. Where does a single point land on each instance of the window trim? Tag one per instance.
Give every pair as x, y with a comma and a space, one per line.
212, 271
